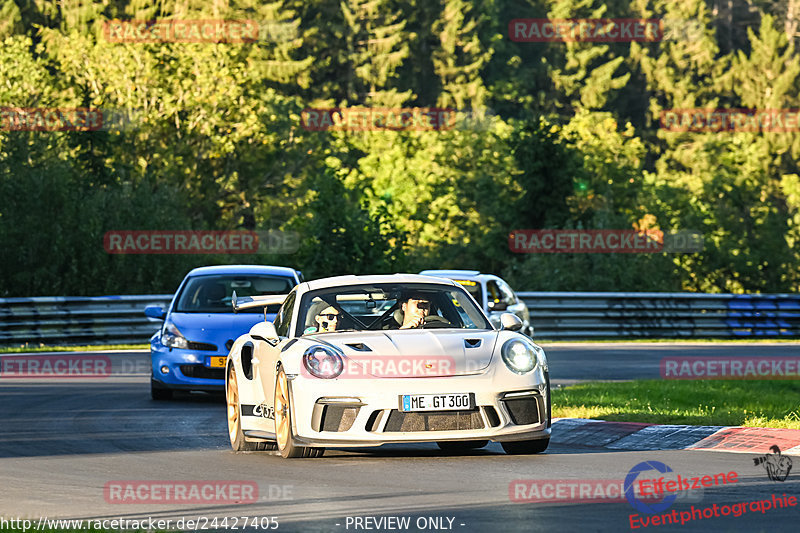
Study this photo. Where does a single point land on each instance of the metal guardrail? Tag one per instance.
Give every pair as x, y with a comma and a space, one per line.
68, 320
555, 316
587, 315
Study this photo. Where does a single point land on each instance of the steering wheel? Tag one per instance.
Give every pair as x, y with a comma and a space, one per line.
435, 321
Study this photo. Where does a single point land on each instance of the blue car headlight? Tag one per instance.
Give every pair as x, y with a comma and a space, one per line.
173, 338
323, 362
521, 357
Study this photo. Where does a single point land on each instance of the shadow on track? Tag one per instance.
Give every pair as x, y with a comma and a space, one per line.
58, 418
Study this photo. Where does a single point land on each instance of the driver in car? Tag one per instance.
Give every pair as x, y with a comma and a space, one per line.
414, 312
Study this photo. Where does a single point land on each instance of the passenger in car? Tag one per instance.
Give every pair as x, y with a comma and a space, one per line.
327, 319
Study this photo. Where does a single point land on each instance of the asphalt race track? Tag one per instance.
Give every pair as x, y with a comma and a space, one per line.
570, 362
65, 441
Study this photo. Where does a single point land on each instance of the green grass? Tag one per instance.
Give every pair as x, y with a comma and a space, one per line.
774, 404
27, 348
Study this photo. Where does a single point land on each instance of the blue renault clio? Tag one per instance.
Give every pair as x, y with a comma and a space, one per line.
189, 351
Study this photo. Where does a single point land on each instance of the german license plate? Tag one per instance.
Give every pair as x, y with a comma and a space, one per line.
216, 362
461, 401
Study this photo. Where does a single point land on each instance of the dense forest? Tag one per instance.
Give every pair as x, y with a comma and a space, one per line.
210, 136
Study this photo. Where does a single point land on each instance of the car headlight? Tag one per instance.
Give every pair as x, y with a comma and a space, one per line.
521, 357
323, 362
173, 338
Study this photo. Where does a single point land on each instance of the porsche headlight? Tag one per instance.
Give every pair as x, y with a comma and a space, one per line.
522, 357
173, 338
323, 362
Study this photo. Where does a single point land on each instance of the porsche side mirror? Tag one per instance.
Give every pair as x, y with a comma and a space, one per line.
264, 331
510, 321
154, 311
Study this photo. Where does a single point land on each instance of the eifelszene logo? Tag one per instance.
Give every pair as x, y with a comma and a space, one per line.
777, 466
630, 494
662, 491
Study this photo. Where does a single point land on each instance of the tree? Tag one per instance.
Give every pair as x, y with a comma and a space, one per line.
339, 236
460, 57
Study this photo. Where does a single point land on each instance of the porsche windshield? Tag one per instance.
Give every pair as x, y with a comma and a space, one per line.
474, 288
388, 306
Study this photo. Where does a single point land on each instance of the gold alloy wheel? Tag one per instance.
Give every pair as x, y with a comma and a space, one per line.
282, 420
234, 417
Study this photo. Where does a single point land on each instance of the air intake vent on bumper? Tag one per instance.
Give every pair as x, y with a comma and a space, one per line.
360, 347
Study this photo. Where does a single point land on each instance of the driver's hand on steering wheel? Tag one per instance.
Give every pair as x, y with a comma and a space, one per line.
414, 323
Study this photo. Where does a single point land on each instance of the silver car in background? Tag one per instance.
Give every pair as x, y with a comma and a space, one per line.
492, 293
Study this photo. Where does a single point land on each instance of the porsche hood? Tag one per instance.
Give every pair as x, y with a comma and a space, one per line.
413, 353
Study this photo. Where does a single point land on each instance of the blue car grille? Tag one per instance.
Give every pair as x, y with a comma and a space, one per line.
202, 346
202, 372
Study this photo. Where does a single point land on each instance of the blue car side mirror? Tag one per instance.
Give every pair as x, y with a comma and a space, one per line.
155, 311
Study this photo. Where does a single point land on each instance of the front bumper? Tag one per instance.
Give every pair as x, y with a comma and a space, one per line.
186, 369
509, 407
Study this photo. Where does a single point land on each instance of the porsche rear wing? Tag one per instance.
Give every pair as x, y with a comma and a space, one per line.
248, 302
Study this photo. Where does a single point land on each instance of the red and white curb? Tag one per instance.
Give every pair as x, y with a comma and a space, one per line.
634, 436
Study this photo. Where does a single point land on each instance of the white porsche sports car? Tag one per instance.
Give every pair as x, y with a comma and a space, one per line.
369, 360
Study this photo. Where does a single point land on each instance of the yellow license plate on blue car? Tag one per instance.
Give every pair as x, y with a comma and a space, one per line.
216, 362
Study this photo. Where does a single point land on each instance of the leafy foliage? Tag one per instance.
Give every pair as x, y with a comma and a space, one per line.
204, 135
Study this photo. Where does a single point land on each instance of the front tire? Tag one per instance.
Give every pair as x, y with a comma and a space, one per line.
158, 393
525, 447
238, 441
283, 422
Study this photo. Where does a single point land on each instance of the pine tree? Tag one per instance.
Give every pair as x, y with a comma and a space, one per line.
377, 45
587, 73
10, 19
460, 58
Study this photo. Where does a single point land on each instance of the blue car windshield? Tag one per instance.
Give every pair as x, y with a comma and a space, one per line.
212, 294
